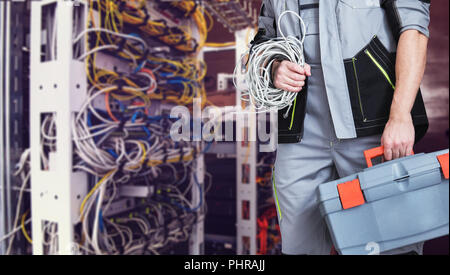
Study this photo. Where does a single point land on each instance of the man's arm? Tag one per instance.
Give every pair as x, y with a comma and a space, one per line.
399, 135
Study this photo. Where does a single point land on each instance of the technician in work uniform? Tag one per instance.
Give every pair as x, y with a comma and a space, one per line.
344, 107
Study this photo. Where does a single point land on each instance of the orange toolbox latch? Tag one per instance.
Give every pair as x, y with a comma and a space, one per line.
443, 160
351, 194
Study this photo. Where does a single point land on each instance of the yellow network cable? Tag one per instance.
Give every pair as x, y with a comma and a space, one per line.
106, 177
22, 225
154, 163
144, 156
221, 45
190, 68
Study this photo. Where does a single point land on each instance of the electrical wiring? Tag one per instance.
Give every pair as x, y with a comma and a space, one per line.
96, 73
138, 16
25, 179
53, 238
102, 30
120, 136
14, 231
135, 159
156, 236
22, 225
22, 171
97, 217
105, 178
126, 141
197, 12
261, 94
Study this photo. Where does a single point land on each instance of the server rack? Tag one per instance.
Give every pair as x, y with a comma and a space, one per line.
57, 191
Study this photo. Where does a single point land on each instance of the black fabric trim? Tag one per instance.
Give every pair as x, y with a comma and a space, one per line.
263, 9
260, 37
309, 6
282, 139
394, 20
295, 134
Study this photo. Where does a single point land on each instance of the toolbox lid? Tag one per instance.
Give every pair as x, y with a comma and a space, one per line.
383, 181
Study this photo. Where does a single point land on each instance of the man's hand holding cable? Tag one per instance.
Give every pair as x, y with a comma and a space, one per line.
289, 76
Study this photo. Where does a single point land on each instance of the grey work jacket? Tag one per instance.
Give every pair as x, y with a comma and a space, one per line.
346, 28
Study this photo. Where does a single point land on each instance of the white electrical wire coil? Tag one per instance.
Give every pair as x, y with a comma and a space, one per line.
261, 94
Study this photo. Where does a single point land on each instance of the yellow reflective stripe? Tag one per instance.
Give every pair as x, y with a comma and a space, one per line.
293, 113
358, 89
380, 68
276, 196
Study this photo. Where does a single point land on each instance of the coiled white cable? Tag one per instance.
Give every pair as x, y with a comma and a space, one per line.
261, 94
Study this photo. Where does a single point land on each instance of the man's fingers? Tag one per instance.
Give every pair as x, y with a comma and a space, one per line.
409, 150
393, 150
387, 151
295, 68
290, 82
286, 72
290, 88
388, 154
293, 83
296, 76
404, 150
396, 152
307, 70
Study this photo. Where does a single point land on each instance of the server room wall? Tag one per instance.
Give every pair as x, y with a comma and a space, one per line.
220, 62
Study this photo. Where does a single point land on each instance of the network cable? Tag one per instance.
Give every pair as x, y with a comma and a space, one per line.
261, 93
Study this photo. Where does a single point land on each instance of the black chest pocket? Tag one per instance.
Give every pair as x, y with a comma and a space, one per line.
371, 81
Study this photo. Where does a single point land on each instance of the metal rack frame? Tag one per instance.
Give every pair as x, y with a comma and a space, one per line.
234, 15
3, 54
55, 194
246, 154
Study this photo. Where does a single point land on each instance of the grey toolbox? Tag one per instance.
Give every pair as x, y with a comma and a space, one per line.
392, 204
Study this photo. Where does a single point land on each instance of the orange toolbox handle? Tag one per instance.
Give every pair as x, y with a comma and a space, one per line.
374, 153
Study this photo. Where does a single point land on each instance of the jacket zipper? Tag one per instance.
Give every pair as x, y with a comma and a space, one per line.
293, 115
358, 90
383, 71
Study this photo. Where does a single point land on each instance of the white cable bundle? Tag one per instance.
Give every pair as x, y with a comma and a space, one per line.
260, 93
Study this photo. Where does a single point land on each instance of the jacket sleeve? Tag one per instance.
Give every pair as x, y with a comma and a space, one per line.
413, 15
